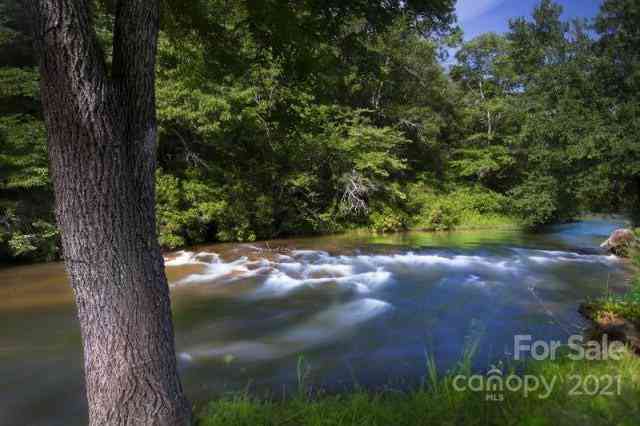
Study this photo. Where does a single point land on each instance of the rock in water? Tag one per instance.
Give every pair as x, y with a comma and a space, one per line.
620, 242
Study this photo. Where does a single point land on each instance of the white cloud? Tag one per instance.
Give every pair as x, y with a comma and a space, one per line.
471, 9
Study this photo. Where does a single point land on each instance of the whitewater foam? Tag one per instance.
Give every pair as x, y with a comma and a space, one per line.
190, 258
543, 257
365, 274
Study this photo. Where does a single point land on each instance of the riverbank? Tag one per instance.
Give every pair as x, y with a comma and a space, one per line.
467, 221
582, 392
618, 314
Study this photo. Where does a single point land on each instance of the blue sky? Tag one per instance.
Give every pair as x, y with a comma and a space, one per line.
480, 16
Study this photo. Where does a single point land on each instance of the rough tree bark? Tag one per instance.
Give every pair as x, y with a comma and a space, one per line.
102, 147
635, 208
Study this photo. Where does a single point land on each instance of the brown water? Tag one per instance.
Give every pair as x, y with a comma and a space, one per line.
358, 309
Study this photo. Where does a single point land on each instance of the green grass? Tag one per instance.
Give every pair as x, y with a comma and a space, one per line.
439, 403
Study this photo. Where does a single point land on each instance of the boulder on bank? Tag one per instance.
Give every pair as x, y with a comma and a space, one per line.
620, 242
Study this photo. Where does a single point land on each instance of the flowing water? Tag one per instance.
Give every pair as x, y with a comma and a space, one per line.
338, 311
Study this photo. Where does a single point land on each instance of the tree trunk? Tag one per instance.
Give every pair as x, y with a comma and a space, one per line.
635, 208
102, 148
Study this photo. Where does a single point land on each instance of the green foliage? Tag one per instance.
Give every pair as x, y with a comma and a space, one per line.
483, 163
191, 212
23, 155
536, 200
277, 120
484, 72
388, 220
186, 208
286, 155
248, 216
41, 244
471, 207
19, 82
438, 214
26, 216
619, 77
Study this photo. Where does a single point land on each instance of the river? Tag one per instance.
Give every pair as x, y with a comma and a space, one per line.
339, 310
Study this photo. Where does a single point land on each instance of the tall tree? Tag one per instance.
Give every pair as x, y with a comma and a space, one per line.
101, 128
484, 71
619, 46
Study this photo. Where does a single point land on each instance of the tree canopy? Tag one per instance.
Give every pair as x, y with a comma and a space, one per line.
280, 118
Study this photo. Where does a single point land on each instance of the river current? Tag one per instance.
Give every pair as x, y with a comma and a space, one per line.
337, 311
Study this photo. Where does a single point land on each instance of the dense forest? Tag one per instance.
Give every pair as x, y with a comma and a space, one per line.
277, 120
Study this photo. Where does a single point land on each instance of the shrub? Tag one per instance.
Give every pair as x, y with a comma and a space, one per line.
471, 206
388, 220
439, 217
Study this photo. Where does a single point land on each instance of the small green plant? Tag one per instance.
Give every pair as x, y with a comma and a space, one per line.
303, 370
